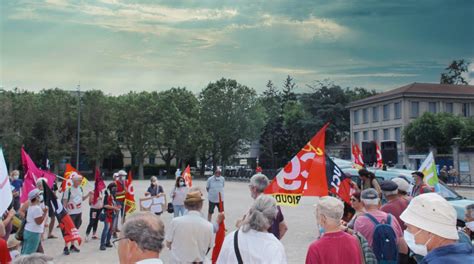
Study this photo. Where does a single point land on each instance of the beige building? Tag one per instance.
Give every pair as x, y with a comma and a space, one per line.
384, 116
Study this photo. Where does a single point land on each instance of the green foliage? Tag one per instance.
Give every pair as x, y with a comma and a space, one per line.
454, 71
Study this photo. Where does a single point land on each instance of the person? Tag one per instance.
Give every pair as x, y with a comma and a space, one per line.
16, 183
190, 237
34, 226
7, 220
258, 184
35, 258
141, 239
431, 231
111, 210
443, 174
214, 186
368, 180
358, 207
51, 216
120, 198
177, 173
469, 220
13, 245
420, 186
72, 201
403, 188
4, 254
395, 204
453, 175
329, 211
366, 224
94, 213
178, 194
254, 243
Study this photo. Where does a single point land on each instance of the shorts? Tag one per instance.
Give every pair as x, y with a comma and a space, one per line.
77, 220
51, 213
212, 205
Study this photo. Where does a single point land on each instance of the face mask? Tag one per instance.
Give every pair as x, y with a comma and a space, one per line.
16, 177
416, 248
181, 184
470, 225
41, 198
321, 231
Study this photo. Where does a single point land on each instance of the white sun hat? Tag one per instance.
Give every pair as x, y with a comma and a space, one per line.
432, 213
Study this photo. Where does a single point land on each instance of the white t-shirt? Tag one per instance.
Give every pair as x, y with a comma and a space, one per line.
254, 247
74, 205
34, 211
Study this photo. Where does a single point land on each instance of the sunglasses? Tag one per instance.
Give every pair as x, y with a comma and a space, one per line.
353, 200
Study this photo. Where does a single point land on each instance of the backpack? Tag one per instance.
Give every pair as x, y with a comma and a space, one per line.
384, 242
69, 193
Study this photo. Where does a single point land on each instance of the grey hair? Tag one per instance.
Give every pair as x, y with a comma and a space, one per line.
370, 201
146, 229
470, 208
259, 181
388, 193
261, 215
153, 178
331, 208
35, 258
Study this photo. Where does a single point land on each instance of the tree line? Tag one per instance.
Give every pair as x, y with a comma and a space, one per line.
223, 119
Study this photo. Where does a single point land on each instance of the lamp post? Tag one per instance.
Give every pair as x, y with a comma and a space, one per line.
78, 125
455, 148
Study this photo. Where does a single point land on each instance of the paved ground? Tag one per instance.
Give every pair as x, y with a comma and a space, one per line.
301, 222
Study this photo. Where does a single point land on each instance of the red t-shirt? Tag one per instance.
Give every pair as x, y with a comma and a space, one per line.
396, 208
4, 253
335, 248
109, 213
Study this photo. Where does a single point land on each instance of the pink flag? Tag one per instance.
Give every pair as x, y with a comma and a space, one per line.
32, 173
99, 185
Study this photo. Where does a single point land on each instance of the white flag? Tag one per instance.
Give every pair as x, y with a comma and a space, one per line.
5, 187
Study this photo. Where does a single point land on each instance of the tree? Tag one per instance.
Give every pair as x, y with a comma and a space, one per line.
231, 116
454, 72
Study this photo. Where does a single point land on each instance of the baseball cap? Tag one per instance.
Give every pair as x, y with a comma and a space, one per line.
431, 212
402, 184
122, 173
388, 186
369, 194
33, 193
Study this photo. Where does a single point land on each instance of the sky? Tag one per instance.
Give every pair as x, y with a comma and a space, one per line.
119, 46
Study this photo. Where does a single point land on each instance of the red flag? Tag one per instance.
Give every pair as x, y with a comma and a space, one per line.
32, 173
289, 184
357, 155
129, 195
379, 156
220, 235
187, 176
99, 185
68, 173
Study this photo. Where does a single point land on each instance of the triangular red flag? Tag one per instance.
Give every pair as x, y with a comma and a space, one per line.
99, 185
220, 235
379, 163
129, 195
187, 176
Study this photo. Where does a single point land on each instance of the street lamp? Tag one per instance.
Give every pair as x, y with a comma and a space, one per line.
455, 148
78, 126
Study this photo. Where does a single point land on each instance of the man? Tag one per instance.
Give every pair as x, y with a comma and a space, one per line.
431, 231
190, 237
420, 186
141, 239
395, 204
365, 225
329, 211
16, 183
403, 188
469, 220
119, 179
214, 186
72, 201
453, 175
258, 184
443, 174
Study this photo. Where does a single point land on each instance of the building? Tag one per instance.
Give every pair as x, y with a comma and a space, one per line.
384, 116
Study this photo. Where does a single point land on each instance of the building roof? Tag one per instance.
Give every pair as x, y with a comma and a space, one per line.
426, 90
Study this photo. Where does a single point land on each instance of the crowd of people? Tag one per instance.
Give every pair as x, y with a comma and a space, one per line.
386, 222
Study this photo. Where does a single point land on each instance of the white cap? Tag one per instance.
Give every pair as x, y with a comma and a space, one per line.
115, 175
402, 184
76, 176
122, 173
432, 213
33, 193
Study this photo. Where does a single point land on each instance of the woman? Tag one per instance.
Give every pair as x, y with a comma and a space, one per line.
254, 243
359, 209
111, 209
178, 195
155, 189
34, 226
94, 212
368, 181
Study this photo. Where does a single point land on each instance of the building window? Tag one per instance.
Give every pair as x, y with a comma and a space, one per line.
375, 135
151, 159
356, 117
386, 112
415, 109
365, 135
466, 109
356, 137
365, 115
398, 136
375, 114
432, 107
449, 108
386, 134
398, 110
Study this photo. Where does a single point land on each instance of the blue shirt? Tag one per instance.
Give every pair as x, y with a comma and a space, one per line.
17, 184
454, 253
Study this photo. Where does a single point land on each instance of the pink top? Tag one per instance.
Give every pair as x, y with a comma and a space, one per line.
364, 226
335, 248
396, 208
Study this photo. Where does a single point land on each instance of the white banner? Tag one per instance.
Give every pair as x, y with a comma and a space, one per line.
5, 187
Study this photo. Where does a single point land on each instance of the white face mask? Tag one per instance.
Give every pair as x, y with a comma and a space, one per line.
16, 177
470, 225
416, 248
181, 184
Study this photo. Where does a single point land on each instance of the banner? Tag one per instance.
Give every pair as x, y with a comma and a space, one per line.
6, 196
187, 177
130, 206
220, 235
379, 163
290, 183
99, 185
428, 167
357, 158
32, 173
68, 173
